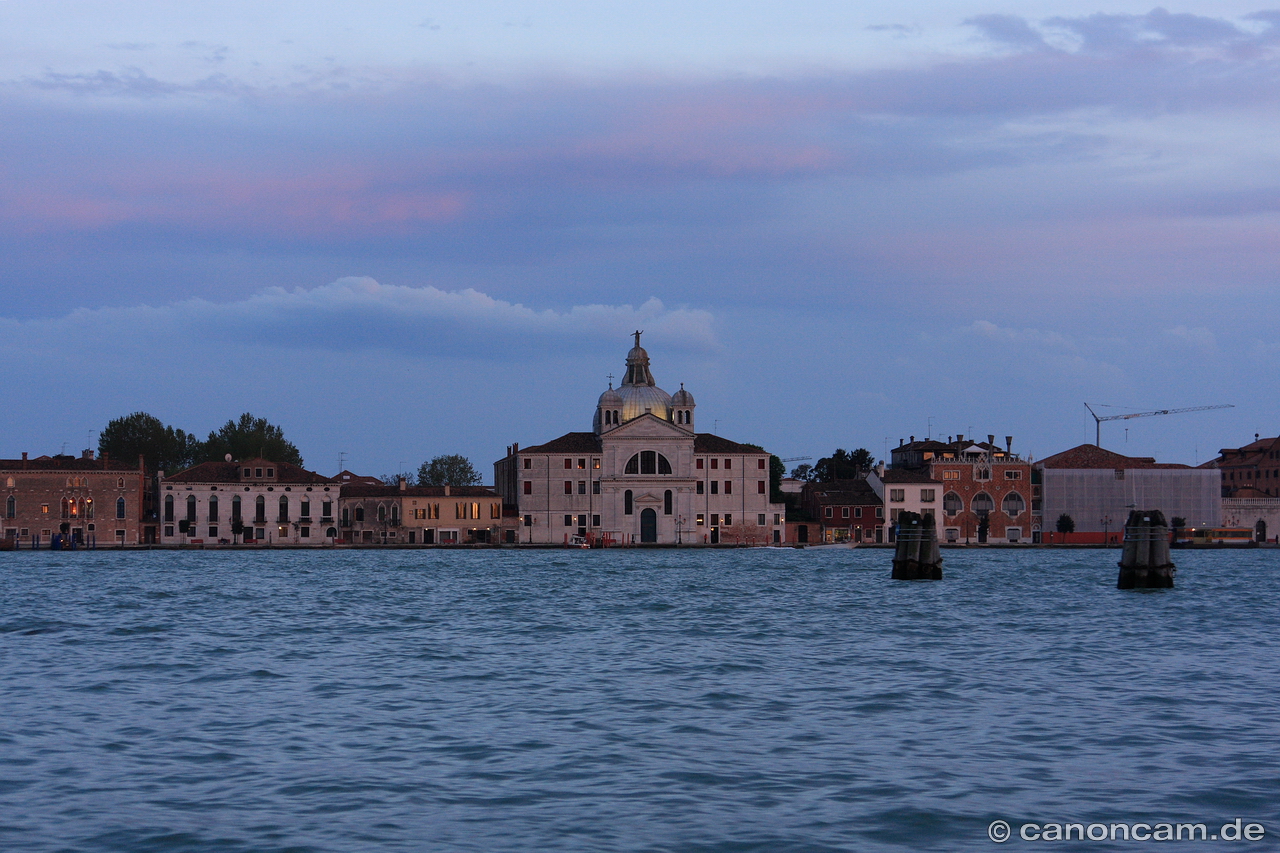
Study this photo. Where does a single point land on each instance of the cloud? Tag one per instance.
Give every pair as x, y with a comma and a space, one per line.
1196, 337
1008, 29
360, 314
1033, 337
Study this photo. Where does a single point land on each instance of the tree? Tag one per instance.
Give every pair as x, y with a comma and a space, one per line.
250, 438
803, 472
843, 465
161, 447
776, 472
1066, 524
394, 479
448, 470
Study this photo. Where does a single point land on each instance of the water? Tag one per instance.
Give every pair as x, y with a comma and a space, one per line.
624, 701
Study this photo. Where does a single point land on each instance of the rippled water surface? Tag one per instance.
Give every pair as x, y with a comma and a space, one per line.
755, 700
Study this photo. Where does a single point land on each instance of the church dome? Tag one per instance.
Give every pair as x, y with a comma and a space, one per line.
610, 399
682, 398
639, 393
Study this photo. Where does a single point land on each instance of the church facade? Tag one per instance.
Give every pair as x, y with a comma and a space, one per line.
642, 475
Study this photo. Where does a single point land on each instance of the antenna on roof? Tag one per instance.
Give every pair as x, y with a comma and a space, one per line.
342, 461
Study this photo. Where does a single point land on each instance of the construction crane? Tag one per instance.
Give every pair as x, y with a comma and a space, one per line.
796, 458
1098, 420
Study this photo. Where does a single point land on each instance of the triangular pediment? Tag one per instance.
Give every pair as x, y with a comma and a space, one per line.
648, 498
647, 426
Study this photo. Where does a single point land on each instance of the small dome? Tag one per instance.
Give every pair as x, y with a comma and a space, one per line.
682, 398
610, 399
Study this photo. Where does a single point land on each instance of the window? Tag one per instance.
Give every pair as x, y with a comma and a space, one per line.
271, 472
1013, 504
951, 475
666, 502
213, 510
248, 473
760, 520
983, 474
459, 510
382, 513
728, 520
828, 512
304, 509
9, 482
495, 510
844, 512
168, 507
475, 510
528, 521
701, 488
648, 462
568, 521
760, 466
528, 487
702, 520
582, 487
728, 487
879, 512
926, 496
213, 531
728, 463
582, 464
568, 464
360, 514
419, 514
897, 496
528, 463
982, 503
595, 487
760, 487
1013, 475
11, 508
568, 487
628, 505
191, 507
857, 512
715, 519
395, 514
305, 533
595, 521
260, 510
714, 464
326, 509
433, 511
284, 508
119, 483
698, 464
951, 504
715, 487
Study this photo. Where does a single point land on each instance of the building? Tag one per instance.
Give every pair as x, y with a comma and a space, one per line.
641, 475
1250, 486
84, 500
1098, 488
255, 502
986, 489
847, 510
419, 515
907, 489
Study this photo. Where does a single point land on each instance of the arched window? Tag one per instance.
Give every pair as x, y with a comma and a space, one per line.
9, 482
382, 512
213, 508
951, 504
628, 505
331, 532
235, 508
120, 507
120, 483
88, 508
648, 462
395, 514
1013, 504
191, 507
982, 503
11, 507
168, 507
666, 502
360, 512
260, 510
284, 508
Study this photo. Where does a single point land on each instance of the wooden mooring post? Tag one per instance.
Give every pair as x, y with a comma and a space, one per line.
1145, 561
916, 556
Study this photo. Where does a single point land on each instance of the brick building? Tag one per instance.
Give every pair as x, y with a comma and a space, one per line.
87, 501
986, 489
847, 510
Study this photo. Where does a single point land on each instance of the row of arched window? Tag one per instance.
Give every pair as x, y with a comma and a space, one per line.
982, 503
684, 416
648, 462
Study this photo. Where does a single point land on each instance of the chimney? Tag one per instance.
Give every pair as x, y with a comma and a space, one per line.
86, 453
900, 443
404, 484
24, 456
991, 439
913, 439
948, 439
446, 490
1008, 443
959, 436
141, 465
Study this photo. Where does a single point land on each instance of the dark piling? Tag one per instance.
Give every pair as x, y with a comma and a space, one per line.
1145, 561
916, 557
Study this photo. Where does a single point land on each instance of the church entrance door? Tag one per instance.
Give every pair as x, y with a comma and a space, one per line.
649, 525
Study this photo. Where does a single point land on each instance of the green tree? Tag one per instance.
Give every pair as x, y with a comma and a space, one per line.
776, 472
1066, 524
250, 438
803, 472
161, 447
448, 470
843, 465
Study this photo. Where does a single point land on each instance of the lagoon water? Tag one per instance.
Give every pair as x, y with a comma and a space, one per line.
753, 700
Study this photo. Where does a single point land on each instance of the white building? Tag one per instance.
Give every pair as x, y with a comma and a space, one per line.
256, 502
906, 490
642, 475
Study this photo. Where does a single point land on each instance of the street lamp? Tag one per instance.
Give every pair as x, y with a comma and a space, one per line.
1106, 526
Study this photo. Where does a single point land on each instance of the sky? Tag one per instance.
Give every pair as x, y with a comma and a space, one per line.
402, 229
